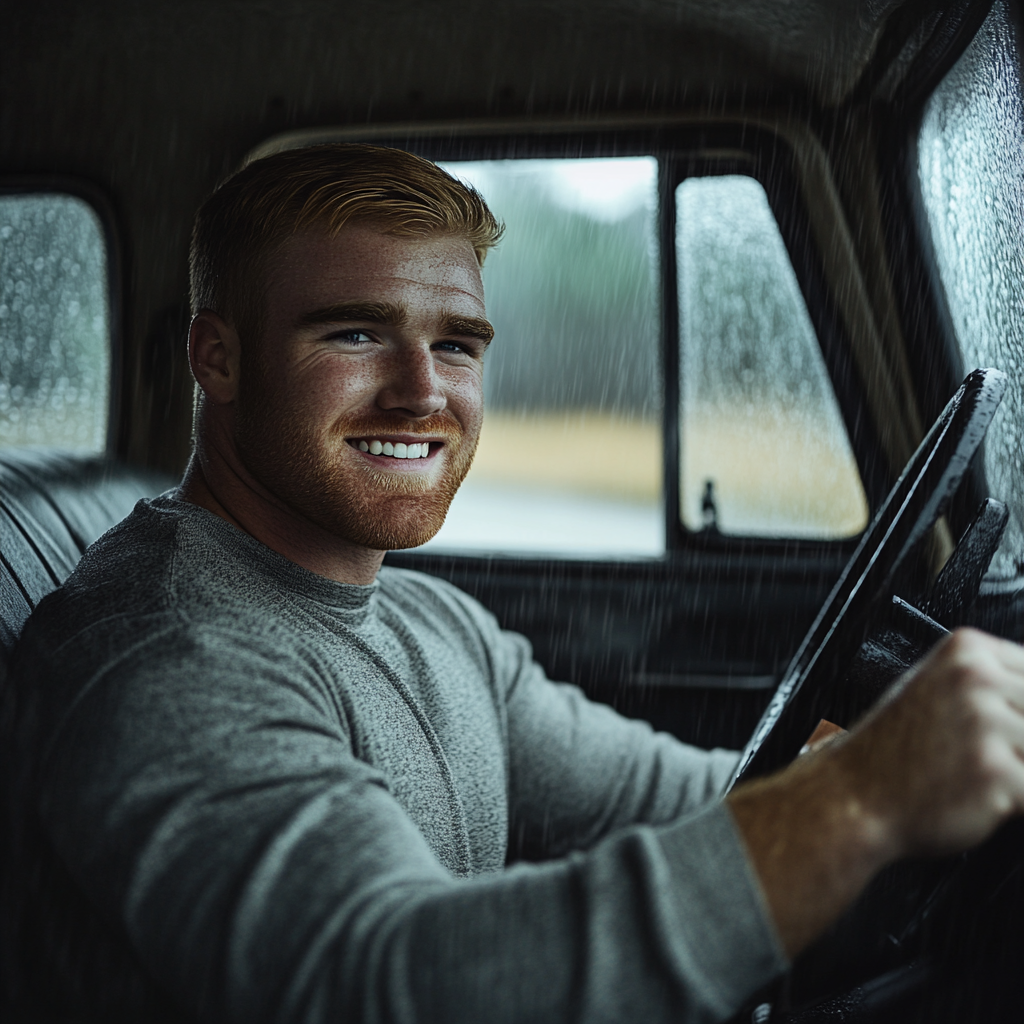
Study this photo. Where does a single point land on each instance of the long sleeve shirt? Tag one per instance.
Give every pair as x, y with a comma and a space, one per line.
269, 796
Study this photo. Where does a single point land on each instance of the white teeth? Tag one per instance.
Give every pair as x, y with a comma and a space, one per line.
398, 450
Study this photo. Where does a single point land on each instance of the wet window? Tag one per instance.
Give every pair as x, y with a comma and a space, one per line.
54, 323
571, 453
764, 451
971, 173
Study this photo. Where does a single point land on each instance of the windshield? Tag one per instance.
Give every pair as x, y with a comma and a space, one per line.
972, 184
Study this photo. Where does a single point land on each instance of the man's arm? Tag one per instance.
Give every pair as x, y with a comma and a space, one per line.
203, 792
933, 769
579, 771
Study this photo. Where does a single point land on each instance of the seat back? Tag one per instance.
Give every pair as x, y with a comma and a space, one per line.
53, 505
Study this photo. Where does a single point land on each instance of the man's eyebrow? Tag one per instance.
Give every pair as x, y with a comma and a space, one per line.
467, 326
392, 315
386, 313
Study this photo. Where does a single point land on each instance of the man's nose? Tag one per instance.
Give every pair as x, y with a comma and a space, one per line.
412, 385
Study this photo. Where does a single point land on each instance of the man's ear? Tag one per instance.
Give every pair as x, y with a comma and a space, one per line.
215, 355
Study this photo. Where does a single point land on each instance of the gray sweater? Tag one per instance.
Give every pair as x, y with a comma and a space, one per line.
290, 799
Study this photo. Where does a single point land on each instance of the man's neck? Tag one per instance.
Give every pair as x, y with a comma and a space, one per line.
229, 492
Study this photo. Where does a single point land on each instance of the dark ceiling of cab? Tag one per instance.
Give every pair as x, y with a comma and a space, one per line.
114, 87
214, 59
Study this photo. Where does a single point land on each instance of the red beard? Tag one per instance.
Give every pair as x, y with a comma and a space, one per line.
321, 477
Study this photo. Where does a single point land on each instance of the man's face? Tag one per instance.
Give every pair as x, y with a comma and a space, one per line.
372, 350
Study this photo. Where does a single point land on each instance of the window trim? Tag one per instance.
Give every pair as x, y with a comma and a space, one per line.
96, 199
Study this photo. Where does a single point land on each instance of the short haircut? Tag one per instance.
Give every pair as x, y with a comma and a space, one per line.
252, 213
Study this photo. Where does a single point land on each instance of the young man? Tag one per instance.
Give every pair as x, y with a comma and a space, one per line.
263, 779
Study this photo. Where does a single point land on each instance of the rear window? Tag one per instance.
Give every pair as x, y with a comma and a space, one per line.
54, 323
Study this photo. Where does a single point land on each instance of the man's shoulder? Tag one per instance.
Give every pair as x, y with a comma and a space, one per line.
419, 592
168, 590
165, 560
433, 607
126, 571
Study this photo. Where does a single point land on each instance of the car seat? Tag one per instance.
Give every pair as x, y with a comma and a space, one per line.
53, 505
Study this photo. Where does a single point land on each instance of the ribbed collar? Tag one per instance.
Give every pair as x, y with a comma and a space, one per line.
351, 601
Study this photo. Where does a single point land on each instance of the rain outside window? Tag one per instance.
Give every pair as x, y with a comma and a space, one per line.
54, 323
971, 173
764, 451
569, 461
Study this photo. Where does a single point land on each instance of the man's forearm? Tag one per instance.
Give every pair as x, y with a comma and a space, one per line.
813, 844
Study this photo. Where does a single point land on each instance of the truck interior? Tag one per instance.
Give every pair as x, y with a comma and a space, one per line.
752, 251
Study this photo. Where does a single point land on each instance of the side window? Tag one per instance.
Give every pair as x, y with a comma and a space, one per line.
54, 323
570, 459
763, 448
971, 176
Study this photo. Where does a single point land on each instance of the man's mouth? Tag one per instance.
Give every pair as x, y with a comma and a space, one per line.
393, 450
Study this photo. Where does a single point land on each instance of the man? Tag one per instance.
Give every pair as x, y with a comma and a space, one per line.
268, 780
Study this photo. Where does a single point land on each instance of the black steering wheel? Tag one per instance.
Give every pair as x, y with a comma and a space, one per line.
870, 946
809, 690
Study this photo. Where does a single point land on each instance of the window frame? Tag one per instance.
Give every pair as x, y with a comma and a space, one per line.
683, 147
775, 172
95, 198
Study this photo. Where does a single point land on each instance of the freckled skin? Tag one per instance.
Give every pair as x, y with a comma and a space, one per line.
273, 453
427, 276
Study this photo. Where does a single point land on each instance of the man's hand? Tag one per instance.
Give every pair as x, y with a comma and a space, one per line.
934, 768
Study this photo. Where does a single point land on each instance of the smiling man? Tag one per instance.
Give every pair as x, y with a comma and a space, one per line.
361, 405
257, 777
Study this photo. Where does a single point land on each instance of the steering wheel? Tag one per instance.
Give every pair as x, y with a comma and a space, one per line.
811, 685
818, 683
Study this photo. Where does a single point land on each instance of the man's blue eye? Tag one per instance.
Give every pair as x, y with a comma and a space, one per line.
353, 336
